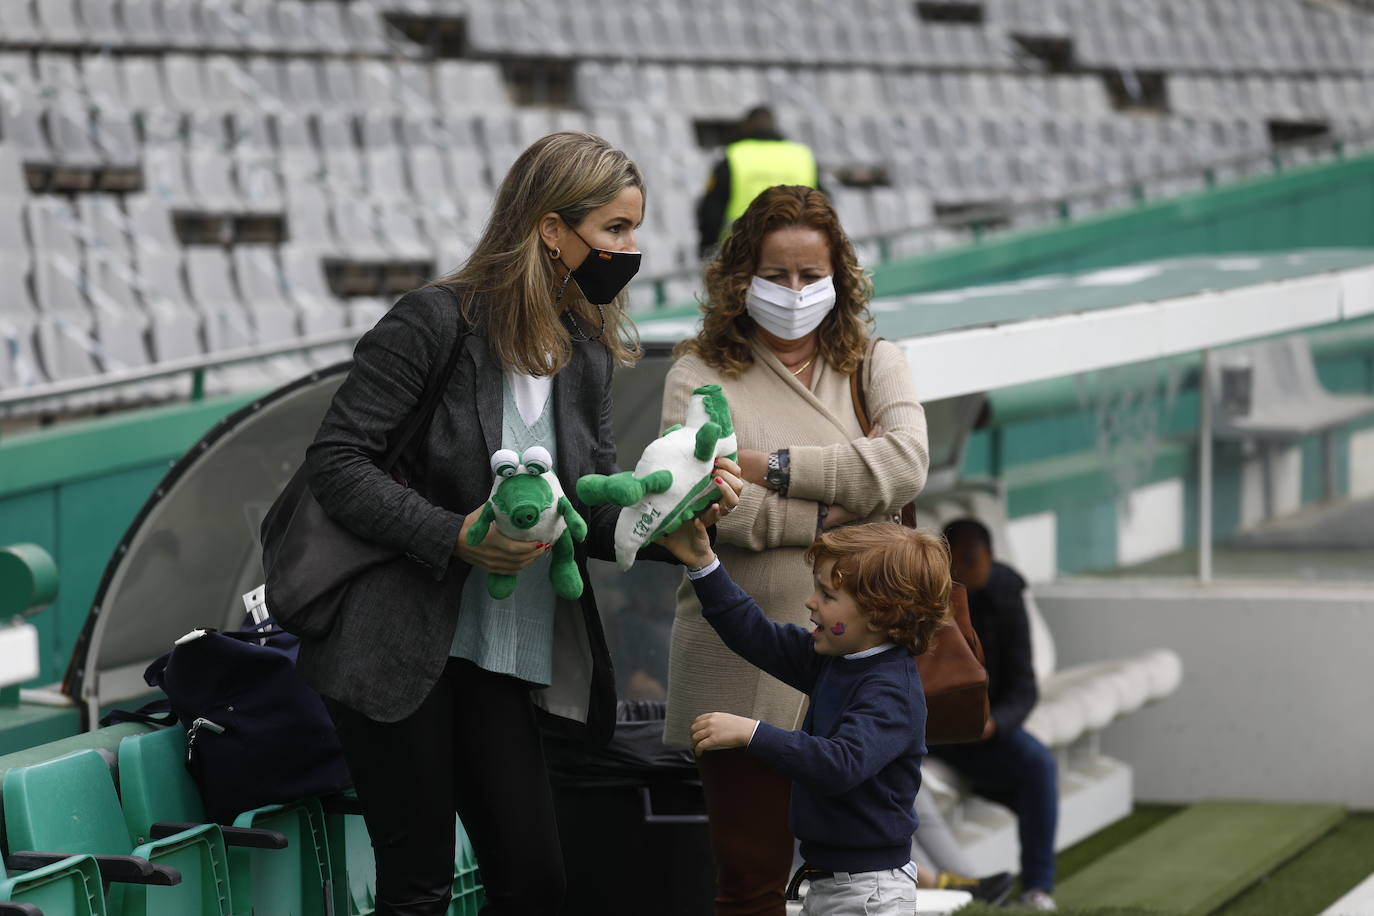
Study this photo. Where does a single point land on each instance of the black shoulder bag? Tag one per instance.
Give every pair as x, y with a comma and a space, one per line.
308, 558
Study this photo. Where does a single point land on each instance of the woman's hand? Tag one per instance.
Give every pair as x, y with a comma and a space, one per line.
837, 515
689, 542
715, 730
730, 484
752, 466
496, 553
731, 476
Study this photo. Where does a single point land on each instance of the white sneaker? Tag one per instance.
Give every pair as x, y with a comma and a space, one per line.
1036, 899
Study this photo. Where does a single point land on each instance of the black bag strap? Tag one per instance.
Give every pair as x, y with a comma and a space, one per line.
251, 635
157, 712
430, 397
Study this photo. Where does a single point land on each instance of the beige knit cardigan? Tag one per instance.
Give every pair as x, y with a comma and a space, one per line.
762, 541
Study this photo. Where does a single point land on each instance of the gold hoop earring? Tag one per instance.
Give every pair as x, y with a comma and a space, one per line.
555, 253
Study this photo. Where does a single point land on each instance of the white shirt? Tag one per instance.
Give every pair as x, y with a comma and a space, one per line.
874, 651
531, 394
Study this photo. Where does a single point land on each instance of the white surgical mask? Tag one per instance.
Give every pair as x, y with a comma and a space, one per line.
787, 313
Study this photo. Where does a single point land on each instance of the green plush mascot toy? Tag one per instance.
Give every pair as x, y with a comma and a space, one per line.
527, 504
674, 479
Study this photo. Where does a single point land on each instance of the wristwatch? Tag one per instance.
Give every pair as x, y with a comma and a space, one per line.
779, 473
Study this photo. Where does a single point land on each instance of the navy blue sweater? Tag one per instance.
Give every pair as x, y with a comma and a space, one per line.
856, 764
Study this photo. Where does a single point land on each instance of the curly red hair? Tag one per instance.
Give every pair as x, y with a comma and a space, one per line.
898, 577
723, 341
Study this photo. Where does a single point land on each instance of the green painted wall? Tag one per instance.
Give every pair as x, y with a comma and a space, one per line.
1318, 207
75, 489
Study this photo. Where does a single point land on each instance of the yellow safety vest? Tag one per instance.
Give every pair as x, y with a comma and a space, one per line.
757, 165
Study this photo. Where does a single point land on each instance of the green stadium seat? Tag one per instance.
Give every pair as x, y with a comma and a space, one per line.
350, 849
355, 892
68, 806
69, 887
468, 895
278, 854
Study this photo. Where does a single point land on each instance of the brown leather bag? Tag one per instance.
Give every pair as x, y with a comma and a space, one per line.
952, 673
954, 679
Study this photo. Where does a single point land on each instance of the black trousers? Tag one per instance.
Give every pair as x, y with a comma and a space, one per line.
472, 748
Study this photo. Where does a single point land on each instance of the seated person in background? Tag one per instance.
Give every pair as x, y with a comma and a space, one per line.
855, 765
942, 864
1008, 765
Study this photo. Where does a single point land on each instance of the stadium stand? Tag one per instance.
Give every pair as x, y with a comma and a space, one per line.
182, 177
203, 184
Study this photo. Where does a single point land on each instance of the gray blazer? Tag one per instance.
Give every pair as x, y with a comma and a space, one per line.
391, 641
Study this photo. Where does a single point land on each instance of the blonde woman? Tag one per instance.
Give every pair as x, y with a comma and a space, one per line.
785, 326
431, 682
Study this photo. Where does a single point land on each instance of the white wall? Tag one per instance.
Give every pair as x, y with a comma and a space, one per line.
1151, 523
1362, 463
1277, 700
1286, 467
1033, 544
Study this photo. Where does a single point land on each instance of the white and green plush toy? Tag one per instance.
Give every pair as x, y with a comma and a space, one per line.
674, 479
527, 504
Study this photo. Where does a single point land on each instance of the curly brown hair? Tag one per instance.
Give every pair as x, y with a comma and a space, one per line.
723, 341
898, 577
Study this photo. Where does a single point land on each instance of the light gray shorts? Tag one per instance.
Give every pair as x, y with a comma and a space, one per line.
870, 893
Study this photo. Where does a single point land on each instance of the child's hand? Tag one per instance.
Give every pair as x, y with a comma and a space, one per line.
690, 544
715, 730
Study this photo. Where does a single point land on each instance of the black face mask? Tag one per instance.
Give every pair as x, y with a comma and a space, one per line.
603, 274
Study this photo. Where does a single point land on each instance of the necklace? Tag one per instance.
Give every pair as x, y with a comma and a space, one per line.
578, 332
798, 371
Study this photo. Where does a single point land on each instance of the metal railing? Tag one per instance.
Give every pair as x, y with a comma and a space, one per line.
194, 366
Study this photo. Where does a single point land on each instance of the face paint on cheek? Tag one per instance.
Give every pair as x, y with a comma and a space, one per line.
838, 629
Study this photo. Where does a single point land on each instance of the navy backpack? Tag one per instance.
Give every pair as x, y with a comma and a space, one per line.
256, 733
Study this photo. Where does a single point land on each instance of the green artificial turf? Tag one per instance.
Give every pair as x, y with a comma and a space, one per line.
1194, 862
1316, 878
1305, 885
1087, 851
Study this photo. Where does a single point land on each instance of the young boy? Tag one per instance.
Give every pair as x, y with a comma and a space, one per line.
880, 592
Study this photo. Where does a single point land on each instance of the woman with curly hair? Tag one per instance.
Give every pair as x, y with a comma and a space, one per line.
785, 326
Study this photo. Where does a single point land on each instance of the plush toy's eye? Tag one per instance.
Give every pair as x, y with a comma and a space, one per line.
505, 463
537, 460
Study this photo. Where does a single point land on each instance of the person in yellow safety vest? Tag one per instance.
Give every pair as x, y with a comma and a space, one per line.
759, 159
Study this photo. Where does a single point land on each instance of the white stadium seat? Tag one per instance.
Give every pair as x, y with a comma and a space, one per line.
322, 111
20, 366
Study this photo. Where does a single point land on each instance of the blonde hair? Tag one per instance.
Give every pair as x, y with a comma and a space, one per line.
898, 577
510, 272
726, 328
